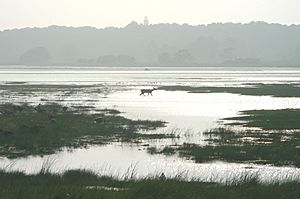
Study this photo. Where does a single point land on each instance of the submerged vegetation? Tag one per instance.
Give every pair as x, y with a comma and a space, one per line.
84, 184
44, 129
275, 90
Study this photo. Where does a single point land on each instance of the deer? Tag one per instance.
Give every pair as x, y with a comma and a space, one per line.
149, 91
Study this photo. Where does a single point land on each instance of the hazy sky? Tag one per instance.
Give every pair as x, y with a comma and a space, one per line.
103, 13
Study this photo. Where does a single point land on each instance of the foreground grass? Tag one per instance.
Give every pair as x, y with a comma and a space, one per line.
83, 184
26, 130
283, 119
276, 90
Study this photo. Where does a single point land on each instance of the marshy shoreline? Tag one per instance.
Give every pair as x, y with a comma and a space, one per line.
76, 117
90, 185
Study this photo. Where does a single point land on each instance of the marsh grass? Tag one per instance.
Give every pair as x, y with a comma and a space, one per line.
276, 90
26, 130
85, 184
166, 150
277, 141
245, 146
260, 154
282, 119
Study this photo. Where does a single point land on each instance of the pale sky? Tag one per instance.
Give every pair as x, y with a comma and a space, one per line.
103, 13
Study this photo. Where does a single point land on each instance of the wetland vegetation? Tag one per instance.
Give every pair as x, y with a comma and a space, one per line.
277, 148
27, 129
281, 119
277, 142
275, 90
44, 129
29, 89
77, 184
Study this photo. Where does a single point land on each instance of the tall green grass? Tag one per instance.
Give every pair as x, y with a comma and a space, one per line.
85, 184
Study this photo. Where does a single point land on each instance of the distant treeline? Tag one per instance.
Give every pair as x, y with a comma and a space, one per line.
252, 44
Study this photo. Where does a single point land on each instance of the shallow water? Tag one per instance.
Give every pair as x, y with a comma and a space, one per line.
154, 76
121, 160
187, 114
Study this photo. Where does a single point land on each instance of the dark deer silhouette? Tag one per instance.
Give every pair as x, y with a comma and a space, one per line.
149, 91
